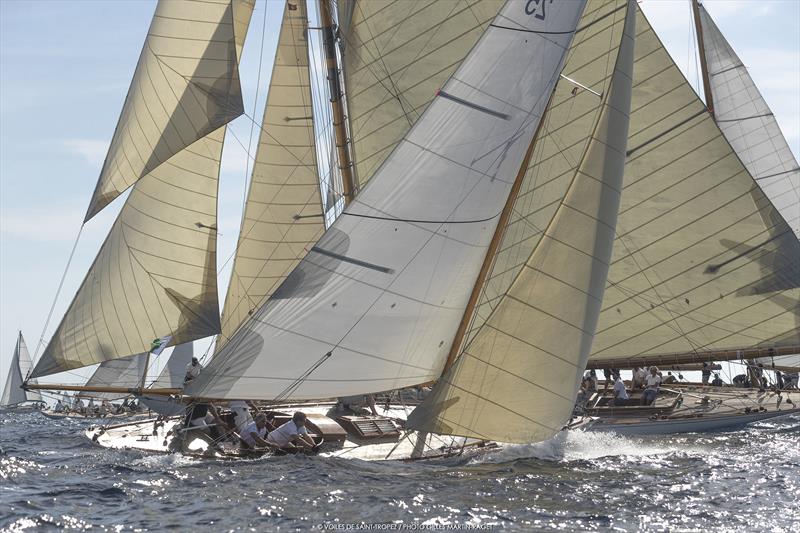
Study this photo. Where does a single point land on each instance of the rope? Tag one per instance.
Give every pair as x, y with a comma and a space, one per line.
55, 299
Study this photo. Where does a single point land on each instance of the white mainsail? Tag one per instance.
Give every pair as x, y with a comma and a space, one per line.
283, 215
749, 124
186, 86
516, 378
386, 286
397, 54
702, 261
126, 372
17, 371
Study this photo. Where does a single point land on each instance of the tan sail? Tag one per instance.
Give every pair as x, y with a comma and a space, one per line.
283, 214
702, 261
186, 85
515, 380
155, 274
397, 54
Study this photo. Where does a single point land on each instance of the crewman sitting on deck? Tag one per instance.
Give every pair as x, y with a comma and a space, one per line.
292, 434
639, 375
59, 408
652, 382
253, 435
620, 394
717, 382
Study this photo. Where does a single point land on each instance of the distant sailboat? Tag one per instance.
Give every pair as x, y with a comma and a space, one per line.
14, 396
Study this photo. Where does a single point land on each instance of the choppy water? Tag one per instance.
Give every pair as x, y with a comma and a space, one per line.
51, 477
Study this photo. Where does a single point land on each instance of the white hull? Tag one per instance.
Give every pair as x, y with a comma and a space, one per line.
688, 425
155, 437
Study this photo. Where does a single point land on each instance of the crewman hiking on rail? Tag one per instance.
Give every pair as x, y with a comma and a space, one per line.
292, 434
254, 434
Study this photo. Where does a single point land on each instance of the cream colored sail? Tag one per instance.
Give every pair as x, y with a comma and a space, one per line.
125, 372
515, 380
702, 261
749, 124
186, 85
17, 371
375, 304
155, 274
397, 54
172, 375
283, 214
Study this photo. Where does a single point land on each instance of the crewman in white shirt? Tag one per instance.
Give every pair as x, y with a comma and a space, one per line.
292, 434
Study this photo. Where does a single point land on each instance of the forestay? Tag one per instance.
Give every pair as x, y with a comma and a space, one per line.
749, 125
515, 380
186, 85
283, 214
397, 54
155, 274
17, 371
125, 372
375, 304
702, 261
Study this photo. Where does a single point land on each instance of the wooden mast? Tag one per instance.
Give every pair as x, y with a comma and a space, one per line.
702, 52
339, 129
488, 259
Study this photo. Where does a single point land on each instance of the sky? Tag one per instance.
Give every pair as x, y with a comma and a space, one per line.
65, 68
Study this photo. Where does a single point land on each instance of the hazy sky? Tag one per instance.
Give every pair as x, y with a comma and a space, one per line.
65, 67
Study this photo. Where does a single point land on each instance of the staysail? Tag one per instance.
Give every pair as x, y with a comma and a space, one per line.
516, 378
156, 271
186, 85
397, 54
125, 372
283, 216
19, 368
702, 262
171, 376
749, 125
386, 286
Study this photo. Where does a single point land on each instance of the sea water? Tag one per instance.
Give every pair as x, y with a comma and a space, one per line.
53, 478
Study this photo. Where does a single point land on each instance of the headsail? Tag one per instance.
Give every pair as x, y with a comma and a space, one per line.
749, 125
516, 378
186, 85
171, 376
17, 371
155, 274
702, 261
125, 372
283, 216
386, 286
397, 54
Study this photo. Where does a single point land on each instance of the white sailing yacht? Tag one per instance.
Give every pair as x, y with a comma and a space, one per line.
14, 397
484, 243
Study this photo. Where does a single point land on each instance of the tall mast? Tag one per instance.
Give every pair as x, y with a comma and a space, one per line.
702, 51
488, 260
339, 129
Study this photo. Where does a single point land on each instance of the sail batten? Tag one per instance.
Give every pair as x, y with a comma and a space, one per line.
186, 85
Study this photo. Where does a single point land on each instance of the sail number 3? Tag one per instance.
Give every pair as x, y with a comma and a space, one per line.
536, 8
